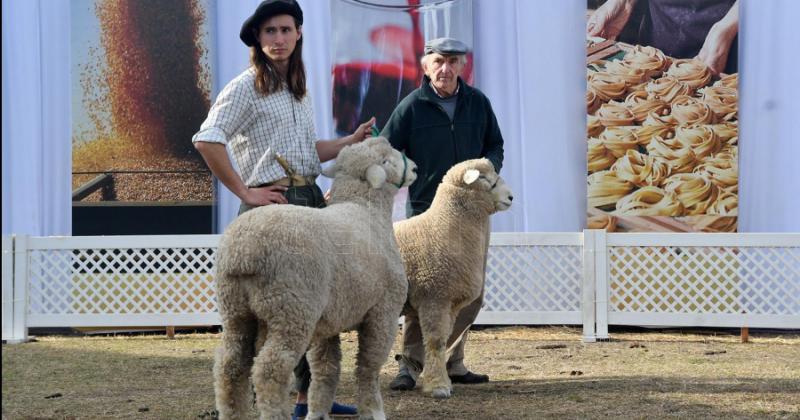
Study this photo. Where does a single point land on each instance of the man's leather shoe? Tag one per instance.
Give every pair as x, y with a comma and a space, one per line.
469, 378
402, 382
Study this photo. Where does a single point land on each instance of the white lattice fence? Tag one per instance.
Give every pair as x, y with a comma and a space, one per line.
533, 279
121, 281
593, 278
722, 280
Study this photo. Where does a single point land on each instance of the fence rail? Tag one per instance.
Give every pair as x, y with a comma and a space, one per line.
591, 278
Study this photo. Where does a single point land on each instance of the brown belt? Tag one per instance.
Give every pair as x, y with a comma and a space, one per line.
298, 181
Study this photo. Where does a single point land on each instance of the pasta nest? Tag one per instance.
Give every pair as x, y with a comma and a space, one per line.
654, 119
727, 133
649, 201
641, 105
640, 169
695, 192
730, 81
649, 59
593, 126
614, 114
701, 138
598, 156
723, 101
630, 74
722, 168
619, 140
676, 155
694, 73
690, 111
667, 89
646, 133
607, 86
604, 188
726, 204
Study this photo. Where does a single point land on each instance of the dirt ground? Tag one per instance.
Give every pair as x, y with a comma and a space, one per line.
541, 372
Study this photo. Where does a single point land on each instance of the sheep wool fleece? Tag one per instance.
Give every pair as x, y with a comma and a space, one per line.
301, 276
444, 251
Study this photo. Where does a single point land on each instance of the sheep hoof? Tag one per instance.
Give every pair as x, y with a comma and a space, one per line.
441, 393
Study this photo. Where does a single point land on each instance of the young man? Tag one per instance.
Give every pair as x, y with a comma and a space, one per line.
443, 122
264, 111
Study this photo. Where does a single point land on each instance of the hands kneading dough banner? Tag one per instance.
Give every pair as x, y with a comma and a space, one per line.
662, 141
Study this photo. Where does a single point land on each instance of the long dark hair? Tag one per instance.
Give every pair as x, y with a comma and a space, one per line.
268, 80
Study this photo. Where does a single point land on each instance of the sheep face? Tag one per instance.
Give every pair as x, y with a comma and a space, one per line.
374, 160
479, 175
502, 195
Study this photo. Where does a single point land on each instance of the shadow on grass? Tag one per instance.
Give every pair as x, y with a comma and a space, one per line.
615, 397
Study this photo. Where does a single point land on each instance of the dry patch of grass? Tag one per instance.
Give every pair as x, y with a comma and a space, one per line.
536, 373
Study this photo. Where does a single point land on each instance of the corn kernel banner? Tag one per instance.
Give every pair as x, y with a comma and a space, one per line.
662, 104
140, 90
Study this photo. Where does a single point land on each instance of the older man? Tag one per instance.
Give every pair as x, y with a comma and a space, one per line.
443, 122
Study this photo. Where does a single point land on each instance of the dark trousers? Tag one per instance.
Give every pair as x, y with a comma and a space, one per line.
308, 196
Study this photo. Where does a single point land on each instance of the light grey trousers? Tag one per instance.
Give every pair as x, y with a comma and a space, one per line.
414, 349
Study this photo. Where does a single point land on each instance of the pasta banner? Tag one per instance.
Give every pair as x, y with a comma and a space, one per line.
662, 115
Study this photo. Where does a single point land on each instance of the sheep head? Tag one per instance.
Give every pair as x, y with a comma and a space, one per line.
478, 175
375, 161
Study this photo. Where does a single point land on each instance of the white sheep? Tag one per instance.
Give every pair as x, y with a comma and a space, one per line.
444, 252
303, 275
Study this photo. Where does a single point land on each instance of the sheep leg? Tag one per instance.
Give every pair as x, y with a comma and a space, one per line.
324, 358
232, 367
375, 338
272, 369
436, 323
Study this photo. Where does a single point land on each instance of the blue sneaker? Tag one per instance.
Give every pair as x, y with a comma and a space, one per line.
301, 410
343, 410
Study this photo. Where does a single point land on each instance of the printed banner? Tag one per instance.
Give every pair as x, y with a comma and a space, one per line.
377, 47
140, 87
662, 103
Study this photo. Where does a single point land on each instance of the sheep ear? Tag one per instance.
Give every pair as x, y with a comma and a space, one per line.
376, 176
471, 176
330, 171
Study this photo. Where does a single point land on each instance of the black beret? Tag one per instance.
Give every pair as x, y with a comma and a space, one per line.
268, 9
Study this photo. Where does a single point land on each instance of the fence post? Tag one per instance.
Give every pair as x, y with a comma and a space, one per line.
601, 288
19, 332
588, 287
8, 287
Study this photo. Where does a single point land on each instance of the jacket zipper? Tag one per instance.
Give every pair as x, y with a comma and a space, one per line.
452, 129
452, 125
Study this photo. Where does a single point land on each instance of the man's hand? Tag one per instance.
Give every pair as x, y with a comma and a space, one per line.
328, 150
263, 196
363, 131
609, 19
716, 48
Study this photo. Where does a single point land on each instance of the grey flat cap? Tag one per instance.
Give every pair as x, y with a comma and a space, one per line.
445, 46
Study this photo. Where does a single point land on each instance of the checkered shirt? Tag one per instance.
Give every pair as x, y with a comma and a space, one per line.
253, 126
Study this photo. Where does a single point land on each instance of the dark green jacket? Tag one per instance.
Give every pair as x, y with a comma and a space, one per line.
420, 127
